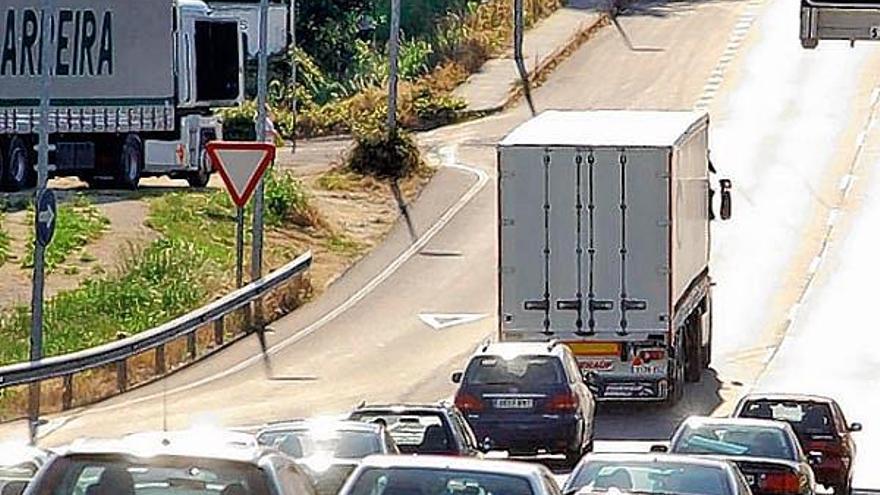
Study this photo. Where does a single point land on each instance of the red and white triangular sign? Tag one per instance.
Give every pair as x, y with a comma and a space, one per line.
241, 165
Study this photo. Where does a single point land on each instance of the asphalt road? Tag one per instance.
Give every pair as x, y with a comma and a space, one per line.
786, 128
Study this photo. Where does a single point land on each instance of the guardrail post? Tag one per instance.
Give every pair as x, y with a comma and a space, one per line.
191, 345
122, 375
67, 394
160, 360
218, 332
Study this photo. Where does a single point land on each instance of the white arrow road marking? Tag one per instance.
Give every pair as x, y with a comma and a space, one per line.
440, 321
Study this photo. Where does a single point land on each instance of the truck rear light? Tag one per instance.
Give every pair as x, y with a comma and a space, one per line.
467, 403
780, 483
564, 402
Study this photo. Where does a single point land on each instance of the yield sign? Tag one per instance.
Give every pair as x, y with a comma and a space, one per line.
241, 165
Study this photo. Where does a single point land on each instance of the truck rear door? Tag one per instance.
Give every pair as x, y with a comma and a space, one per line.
584, 240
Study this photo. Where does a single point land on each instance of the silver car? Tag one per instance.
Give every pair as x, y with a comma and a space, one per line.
657, 474
428, 475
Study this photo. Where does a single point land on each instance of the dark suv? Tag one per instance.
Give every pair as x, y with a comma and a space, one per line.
436, 429
527, 398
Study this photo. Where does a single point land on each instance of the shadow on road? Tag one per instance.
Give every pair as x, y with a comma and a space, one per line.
655, 421
634, 8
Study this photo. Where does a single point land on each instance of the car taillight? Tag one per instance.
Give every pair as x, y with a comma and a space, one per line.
780, 483
648, 355
468, 403
565, 402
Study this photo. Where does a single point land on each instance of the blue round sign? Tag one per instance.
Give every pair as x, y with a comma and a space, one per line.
45, 217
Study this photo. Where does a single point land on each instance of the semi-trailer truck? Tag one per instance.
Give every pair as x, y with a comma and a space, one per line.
604, 238
132, 87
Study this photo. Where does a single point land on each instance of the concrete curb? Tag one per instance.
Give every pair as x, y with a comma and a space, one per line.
544, 68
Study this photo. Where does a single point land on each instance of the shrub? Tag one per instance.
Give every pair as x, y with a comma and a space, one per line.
286, 200
377, 154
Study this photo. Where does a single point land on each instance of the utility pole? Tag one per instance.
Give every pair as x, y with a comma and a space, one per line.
393, 55
518, 34
36, 341
262, 70
293, 85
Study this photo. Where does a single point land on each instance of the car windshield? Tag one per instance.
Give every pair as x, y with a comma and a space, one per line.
323, 442
161, 475
649, 477
521, 370
809, 420
423, 481
736, 440
423, 432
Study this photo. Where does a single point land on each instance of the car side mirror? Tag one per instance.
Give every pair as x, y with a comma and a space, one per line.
456, 377
815, 458
726, 202
855, 427
659, 449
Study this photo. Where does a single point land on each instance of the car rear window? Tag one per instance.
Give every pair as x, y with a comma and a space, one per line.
426, 481
808, 419
520, 370
162, 475
753, 441
422, 432
333, 443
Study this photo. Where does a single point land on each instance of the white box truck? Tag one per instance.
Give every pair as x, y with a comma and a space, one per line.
604, 245
132, 88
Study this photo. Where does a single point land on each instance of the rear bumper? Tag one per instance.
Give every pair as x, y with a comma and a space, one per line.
609, 388
839, 21
553, 433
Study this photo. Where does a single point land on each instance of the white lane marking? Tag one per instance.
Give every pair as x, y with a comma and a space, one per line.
482, 179
442, 321
734, 42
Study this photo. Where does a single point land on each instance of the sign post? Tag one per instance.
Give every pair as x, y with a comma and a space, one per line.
241, 166
45, 221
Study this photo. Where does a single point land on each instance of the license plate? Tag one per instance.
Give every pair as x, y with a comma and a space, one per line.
514, 403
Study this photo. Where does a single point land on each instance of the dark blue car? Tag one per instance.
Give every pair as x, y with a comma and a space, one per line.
527, 398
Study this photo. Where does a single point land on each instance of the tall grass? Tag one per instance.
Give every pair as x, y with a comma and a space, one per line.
163, 281
4, 243
76, 224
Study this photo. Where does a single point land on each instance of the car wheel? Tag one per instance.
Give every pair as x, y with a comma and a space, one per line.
131, 162
676, 382
694, 352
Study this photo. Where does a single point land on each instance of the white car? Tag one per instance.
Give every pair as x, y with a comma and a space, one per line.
18, 465
425, 475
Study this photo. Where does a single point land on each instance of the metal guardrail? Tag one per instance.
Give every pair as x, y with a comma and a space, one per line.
120, 351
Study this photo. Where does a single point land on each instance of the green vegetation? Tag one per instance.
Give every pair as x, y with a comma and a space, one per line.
175, 274
162, 282
4, 243
76, 225
343, 65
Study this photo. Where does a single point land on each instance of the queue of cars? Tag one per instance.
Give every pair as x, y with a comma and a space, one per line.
522, 398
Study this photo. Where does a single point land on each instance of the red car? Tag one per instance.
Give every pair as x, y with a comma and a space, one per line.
821, 428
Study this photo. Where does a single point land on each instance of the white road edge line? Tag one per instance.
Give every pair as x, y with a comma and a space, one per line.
482, 179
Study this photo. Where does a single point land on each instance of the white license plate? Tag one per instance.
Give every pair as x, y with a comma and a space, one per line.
514, 403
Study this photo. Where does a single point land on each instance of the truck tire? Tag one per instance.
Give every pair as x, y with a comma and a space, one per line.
202, 176
131, 162
693, 350
676, 379
707, 349
19, 167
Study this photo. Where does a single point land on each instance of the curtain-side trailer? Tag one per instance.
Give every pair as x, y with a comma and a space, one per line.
132, 86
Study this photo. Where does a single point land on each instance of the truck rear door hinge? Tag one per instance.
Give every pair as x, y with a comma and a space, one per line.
508, 222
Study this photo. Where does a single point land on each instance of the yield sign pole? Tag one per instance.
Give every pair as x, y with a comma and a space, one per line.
241, 166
